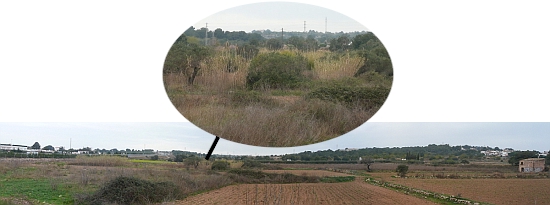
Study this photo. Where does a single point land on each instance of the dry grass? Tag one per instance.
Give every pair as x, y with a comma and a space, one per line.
273, 118
299, 123
342, 67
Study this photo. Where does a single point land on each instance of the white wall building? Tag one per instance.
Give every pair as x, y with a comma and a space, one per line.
9, 147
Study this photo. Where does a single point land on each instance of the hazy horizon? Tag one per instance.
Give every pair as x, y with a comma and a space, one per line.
167, 136
277, 15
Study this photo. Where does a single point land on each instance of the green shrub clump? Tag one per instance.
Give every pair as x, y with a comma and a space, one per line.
220, 165
351, 95
251, 164
277, 70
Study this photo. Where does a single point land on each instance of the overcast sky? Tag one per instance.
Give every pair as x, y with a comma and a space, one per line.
101, 61
277, 15
185, 136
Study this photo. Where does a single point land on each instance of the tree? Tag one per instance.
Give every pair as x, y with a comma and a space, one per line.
367, 161
515, 157
36, 145
218, 33
185, 57
179, 158
402, 170
274, 44
49, 147
341, 43
192, 161
220, 165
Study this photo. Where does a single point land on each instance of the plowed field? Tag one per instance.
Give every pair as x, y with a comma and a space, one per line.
356, 192
320, 173
494, 191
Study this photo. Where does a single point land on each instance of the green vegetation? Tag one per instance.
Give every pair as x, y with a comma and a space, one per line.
192, 161
337, 179
220, 165
402, 170
350, 95
308, 92
251, 164
515, 157
253, 176
435, 154
43, 190
277, 70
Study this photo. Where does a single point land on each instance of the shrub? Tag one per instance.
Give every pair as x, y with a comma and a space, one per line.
220, 165
337, 179
402, 170
130, 190
251, 176
277, 70
351, 95
251, 164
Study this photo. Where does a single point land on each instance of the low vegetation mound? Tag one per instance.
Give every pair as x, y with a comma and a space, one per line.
252, 176
351, 95
131, 190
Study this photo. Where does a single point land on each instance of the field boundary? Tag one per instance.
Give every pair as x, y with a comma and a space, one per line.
434, 196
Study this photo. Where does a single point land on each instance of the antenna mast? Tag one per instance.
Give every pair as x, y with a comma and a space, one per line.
206, 35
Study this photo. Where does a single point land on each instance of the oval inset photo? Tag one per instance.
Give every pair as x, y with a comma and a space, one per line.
277, 74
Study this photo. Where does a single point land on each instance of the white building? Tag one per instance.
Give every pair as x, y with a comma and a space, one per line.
10, 147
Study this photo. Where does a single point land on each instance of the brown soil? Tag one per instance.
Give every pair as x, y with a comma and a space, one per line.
356, 192
320, 173
494, 191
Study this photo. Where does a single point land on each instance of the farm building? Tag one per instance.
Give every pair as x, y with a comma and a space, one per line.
531, 165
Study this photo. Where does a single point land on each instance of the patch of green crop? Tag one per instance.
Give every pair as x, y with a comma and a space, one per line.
337, 179
42, 190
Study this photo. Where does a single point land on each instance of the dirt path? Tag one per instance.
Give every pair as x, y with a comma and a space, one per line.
356, 192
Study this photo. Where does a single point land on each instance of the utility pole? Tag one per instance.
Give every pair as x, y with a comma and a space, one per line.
325, 25
206, 35
282, 33
326, 31
305, 34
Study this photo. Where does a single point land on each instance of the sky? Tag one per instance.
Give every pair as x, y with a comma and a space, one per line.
167, 136
68, 62
280, 15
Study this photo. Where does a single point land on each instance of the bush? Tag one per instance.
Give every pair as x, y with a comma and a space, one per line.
251, 176
251, 164
277, 70
351, 95
130, 190
402, 170
220, 165
337, 179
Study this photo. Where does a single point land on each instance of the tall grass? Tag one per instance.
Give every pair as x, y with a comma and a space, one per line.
219, 102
